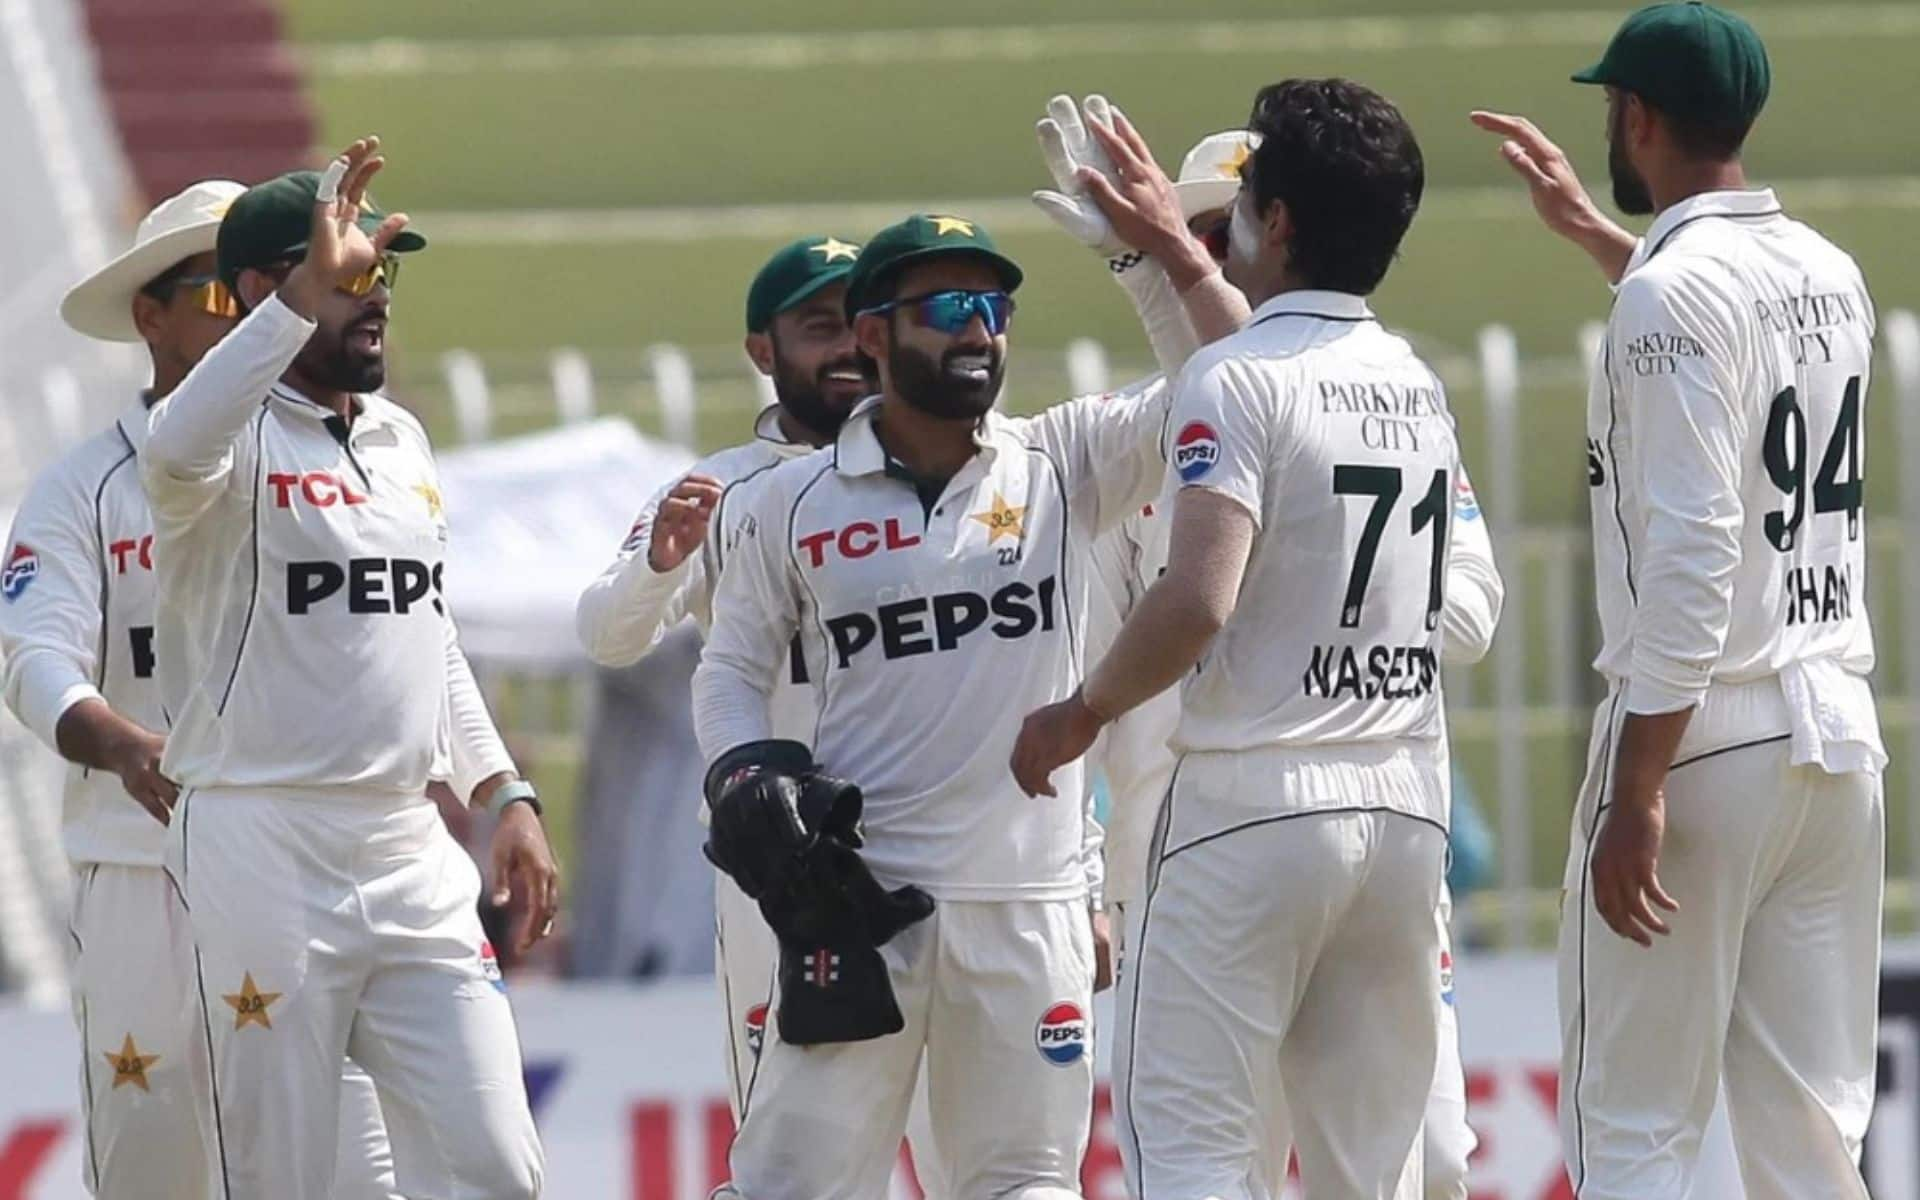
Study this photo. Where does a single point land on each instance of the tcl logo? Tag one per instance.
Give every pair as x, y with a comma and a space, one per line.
857, 540
372, 585
321, 489
129, 552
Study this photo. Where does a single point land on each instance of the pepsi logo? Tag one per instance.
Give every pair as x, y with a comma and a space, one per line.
1446, 977
23, 565
1195, 450
490, 967
1466, 505
756, 1024
1062, 1034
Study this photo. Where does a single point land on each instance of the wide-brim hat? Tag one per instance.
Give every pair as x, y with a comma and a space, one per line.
179, 227
1210, 173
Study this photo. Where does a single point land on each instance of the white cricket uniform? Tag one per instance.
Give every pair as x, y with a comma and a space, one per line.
1138, 764
1287, 944
621, 616
77, 624
930, 633
1726, 440
314, 679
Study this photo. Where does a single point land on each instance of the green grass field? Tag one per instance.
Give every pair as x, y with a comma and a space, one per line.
608, 176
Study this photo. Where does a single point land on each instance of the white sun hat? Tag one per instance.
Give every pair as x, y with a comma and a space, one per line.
1210, 173
179, 227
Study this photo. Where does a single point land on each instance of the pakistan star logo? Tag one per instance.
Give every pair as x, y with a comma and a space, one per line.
834, 248
129, 1065
942, 226
1002, 520
250, 1005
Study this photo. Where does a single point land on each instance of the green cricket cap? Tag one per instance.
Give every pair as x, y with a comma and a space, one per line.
797, 270
1691, 60
270, 223
921, 236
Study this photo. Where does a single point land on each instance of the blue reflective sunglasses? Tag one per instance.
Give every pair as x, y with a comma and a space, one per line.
949, 311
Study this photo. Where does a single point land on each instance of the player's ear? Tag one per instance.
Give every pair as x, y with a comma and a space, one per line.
1277, 225
870, 335
255, 287
760, 352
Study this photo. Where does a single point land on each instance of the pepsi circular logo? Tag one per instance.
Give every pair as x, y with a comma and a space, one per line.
1195, 450
756, 1028
1062, 1034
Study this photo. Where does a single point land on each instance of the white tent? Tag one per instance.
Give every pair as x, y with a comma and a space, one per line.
533, 520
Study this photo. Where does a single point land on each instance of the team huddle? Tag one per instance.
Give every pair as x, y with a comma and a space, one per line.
1228, 588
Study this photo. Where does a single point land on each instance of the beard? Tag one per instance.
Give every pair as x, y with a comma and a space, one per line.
817, 403
331, 363
952, 388
1630, 192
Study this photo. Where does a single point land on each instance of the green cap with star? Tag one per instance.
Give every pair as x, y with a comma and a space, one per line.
797, 270
269, 223
1691, 60
921, 236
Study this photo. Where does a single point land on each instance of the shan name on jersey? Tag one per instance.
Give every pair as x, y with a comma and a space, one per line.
1372, 672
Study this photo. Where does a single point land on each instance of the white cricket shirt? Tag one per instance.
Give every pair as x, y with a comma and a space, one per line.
930, 633
1726, 443
1337, 439
302, 639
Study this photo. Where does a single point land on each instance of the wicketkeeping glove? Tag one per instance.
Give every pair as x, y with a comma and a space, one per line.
1067, 145
754, 798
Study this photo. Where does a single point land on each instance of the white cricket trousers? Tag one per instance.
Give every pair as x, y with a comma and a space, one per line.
997, 998
145, 1103
1282, 952
746, 959
1446, 1141
1769, 981
327, 924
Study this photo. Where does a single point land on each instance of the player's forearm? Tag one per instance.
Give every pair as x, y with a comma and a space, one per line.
1474, 593
1605, 242
1648, 744
624, 613
42, 687
479, 755
192, 430
1182, 612
1162, 317
92, 734
1214, 307
729, 709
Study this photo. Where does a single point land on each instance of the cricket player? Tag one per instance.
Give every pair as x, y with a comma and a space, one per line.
1132, 752
1288, 944
798, 335
307, 660
933, 565
1722, 914
76, 628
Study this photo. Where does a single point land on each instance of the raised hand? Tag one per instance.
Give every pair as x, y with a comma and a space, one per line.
1558, 196
337, 248
1138, 201
1067, 147
680, 523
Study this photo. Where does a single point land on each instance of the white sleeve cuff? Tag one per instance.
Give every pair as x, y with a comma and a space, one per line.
44, 701
1649, 698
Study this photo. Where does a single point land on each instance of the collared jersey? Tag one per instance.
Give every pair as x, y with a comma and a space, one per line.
76, 623
1133, 751
931, 632
1726, 449
302, 638
1336, 438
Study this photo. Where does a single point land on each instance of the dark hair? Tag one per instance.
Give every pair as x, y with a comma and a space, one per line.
1716, 140
1345, 163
